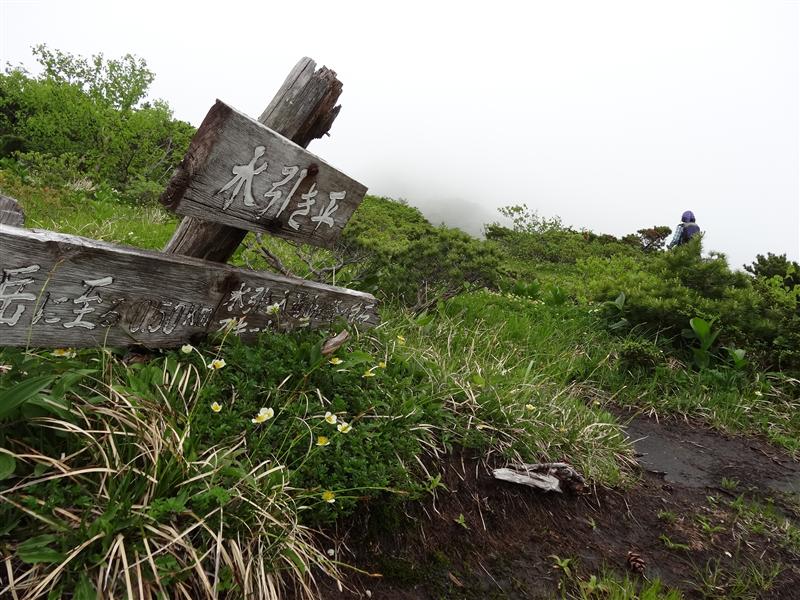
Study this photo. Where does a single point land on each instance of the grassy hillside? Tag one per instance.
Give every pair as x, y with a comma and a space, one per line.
210, 470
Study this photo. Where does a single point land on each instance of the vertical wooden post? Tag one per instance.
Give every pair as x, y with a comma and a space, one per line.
11, 212
303, 110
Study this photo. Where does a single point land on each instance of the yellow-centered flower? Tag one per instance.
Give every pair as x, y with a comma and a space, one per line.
329, 497
369, 373
401, 340
336, 360
344, 427
216, 364
265, 414
64, 353
330, 418
216, 406
323, 440
382, 365
273, 309
529, 406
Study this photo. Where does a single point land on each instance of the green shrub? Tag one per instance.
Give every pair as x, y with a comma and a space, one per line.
638, 354
407, 259
85, 118
664, 291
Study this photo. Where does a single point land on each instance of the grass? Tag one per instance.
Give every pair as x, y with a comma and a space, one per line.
610, 586
763, 518
119, 476
110, 492
98, 215
745, 582
137, 450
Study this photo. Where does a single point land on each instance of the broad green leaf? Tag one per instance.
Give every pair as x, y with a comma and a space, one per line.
9, 522
36, 550
293, 556
56, 408
620, 301
68, 381
700, 327
84, 590
357, 357
7, 465
21, 393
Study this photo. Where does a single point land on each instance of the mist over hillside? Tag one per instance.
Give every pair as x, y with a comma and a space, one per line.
463, 214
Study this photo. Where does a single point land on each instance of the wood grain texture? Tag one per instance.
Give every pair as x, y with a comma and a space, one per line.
241, 173
303, 109
59, 290
10, 212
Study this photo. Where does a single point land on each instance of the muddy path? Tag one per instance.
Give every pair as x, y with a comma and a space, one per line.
713, 515
695, 456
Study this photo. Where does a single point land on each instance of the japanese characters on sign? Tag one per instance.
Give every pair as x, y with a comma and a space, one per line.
240, 173
63, 290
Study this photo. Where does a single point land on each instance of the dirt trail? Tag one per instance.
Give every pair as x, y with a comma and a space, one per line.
699, 457
493, 539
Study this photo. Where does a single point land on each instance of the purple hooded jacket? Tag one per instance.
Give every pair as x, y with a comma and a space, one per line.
685, 230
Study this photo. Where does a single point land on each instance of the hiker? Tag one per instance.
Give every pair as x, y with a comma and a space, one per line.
685, 230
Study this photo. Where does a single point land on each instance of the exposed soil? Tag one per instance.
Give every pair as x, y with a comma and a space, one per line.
492, 539
698, 457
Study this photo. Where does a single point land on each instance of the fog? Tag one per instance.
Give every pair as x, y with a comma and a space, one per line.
612, 115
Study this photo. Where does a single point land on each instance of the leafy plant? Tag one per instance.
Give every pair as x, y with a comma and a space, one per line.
737, 358
615, 312
85, 118
406, 259
555, 296
702, 331
564, 565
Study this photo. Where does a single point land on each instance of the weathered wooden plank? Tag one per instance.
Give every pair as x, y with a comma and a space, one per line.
303, 110
10, 212
61, 290
243, 174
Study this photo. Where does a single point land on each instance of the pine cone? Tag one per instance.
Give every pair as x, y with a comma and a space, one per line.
635, 562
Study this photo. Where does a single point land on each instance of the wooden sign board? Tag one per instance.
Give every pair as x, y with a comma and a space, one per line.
240, 173
10, 212
67, 291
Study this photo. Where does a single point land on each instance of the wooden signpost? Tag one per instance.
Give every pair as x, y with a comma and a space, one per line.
240, 173
10, 212
62, 290
71, 291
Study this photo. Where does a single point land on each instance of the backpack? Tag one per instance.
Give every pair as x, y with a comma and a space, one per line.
689, 231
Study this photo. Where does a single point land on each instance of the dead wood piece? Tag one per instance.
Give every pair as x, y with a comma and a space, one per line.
10, 212
548, 483
549, 477
333, 344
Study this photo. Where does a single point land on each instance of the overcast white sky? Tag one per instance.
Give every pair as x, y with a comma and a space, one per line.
613, 115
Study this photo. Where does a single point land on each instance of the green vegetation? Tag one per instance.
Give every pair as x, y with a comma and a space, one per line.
209, 470
85, 122
610, 586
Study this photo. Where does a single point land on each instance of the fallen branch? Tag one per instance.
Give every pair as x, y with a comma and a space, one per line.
549, 477
271, 258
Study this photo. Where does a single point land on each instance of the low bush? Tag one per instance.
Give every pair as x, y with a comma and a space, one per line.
88, 119
664, 291
408, 260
